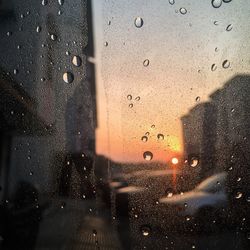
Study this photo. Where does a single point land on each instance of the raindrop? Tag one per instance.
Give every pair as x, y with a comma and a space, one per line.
60, 2
216, 22
248, 198
148, 156
232, 110
138, 22
68, 77
138, 98
147, 133
160, 137
38, 29
129, 97
197, 99
130, 105
229, 27
171, 2
106, 44
183, 11
53, 37
109, 22
77, 61
31, 173
94, 233
15, 71
146, 63
63, 204
169, 194
153, 126
227, 1
213, 67
238, 195
44, 2
144, 138
238, 179
248, 235
226, 64
216, 49
145, 229
193, 162
9, 33
216, 3
59, 13
42, 79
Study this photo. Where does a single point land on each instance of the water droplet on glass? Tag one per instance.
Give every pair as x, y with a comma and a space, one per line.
68, 77
38, 29
160, 137
15, 71
94, 233
229, 27
138, 98
226, 64
109, 22
238, 195
44, 2
183, 11
153, 126
129, 97
145, 229
169, 194
130, 105
216, 22
77, 61
216, 3
63, 204
146, 63
31, 173
138, 22
59, 13
42, 79
227, 1
147, 133
213, 67
248, 235
148, 156
216, 49
9, 33
194, 161
106, 44
60, 2
53, 37
144, 138
171, 2
197, 99
238, 179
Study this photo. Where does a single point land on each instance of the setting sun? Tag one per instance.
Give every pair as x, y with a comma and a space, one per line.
175, 161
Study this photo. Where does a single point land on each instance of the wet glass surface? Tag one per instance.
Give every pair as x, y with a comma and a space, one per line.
124, 124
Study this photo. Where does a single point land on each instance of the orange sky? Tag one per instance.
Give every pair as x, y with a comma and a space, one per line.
180, 49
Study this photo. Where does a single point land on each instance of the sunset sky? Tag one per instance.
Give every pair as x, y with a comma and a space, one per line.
181, 48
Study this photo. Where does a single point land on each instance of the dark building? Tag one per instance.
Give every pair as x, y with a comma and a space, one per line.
218, 132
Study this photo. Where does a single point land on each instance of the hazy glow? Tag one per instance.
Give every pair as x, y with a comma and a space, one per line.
175, 161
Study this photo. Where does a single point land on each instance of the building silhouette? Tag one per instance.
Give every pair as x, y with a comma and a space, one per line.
217, 132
